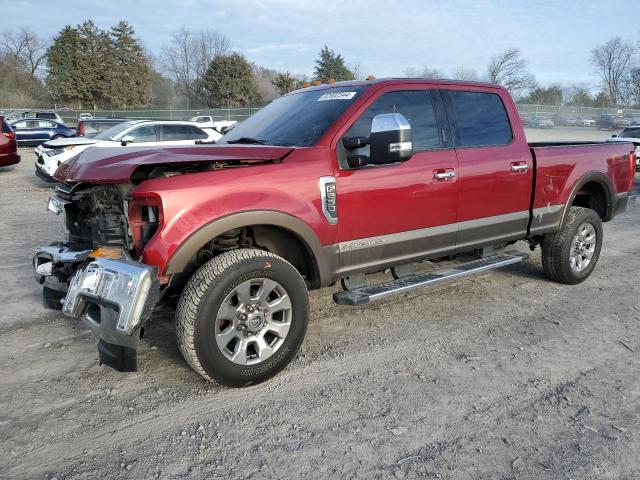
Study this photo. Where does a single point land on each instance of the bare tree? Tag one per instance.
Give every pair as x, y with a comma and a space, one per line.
26, 48
612, 61
462, 73
424, 72
510, 70
187, 58
356, 69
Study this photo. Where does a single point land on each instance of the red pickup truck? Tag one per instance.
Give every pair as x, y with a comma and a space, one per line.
323, 185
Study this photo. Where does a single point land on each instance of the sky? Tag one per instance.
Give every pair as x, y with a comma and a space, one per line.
385, 38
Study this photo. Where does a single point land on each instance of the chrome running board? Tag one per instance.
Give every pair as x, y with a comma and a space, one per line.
361, 296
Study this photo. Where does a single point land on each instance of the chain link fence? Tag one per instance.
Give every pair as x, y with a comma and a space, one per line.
71, 116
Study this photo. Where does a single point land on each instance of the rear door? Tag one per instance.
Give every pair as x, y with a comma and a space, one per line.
494, 168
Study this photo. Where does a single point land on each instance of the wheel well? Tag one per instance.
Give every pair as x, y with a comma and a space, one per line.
594, 196
277, 240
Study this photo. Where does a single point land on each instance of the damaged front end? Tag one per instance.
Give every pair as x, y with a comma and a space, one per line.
93, 276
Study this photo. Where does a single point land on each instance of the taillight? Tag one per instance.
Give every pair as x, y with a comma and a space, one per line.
145, 216
632, 170
10, 135
81, 129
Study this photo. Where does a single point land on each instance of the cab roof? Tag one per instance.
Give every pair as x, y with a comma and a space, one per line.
394, 80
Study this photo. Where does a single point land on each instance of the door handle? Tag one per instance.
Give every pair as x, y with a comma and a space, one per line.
519, 167
444, 174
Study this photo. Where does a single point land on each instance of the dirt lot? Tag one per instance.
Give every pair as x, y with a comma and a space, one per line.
506, 375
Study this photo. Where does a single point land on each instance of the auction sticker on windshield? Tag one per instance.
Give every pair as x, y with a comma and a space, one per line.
337, 96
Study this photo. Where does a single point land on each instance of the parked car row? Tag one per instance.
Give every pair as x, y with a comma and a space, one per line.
602, 122
57, 142
133, 133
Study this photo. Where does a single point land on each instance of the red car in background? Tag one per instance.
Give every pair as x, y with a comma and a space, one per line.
8, 147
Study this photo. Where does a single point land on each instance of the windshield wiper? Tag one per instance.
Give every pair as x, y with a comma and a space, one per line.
249, 140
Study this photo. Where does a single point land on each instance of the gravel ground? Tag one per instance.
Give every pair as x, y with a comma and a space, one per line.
506, 375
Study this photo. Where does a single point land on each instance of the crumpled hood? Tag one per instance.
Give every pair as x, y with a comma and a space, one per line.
68, 142
116, 165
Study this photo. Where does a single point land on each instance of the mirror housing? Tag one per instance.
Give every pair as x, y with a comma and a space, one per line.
126, 139
614, 136
390, 140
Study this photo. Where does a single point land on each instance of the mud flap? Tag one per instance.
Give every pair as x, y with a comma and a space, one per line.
118, 357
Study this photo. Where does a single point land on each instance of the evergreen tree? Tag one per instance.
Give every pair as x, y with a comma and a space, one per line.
284, 83
229, 82
128, 69
93, 68
331, 66
63, 75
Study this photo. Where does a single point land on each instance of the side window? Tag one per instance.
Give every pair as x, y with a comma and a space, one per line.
415, 105
180, 132
196, 133
46, 124
33, 124
145, 133
481, 119
20, 124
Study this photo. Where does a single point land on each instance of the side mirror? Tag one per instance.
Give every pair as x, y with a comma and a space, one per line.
390, 140
126, 139
614, 136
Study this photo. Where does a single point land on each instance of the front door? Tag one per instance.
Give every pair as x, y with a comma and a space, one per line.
394, 214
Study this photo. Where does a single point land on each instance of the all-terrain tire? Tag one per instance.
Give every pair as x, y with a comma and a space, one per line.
202, 298
557, 247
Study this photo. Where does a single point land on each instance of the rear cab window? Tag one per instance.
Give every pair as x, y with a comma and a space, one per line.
480, 118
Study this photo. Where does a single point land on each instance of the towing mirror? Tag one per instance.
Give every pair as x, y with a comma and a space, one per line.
390, 139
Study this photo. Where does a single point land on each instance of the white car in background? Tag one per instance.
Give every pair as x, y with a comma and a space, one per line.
205, 121
629, 134
135, 133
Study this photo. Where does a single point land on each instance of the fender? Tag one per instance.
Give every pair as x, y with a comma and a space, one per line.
602, 180
322, 257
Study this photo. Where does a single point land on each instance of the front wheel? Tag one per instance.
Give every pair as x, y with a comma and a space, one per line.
242, 317
570, 255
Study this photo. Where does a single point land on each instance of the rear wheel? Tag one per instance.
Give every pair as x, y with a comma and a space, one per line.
242, 317
570, 255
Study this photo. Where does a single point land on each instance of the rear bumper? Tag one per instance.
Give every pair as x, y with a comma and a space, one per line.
114, 297
9, 159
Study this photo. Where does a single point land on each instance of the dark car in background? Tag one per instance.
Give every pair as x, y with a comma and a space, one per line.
89, 128
8, 147
32, 131
611, 122
13, 117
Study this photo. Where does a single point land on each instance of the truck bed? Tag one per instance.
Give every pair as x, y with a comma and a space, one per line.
559, 166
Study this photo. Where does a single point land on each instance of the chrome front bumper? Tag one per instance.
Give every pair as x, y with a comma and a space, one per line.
113, 296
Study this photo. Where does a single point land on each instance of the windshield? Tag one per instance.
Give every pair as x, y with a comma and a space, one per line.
113, 132
630, 133
297, 119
